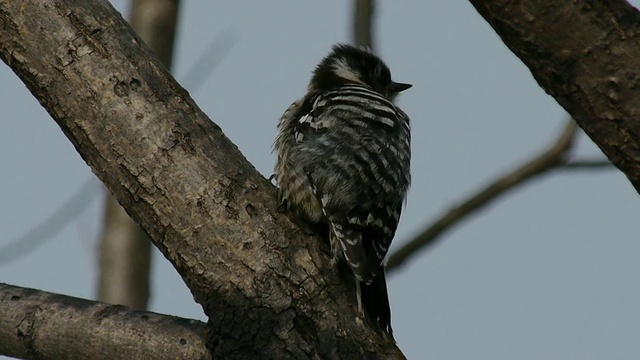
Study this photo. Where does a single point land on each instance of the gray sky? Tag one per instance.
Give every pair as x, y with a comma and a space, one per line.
547, 272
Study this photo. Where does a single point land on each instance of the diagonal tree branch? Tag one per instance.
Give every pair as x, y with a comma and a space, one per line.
125, 249
267, 287
574, 50
553, 157
585, 54
52, 225
37, 324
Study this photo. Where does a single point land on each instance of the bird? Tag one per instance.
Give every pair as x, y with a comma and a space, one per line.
343, 160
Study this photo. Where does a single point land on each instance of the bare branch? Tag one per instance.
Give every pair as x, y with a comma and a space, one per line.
48, 228
550, 158
40, 325
601, 100
584, 54
212, 56
585, 164
363, 16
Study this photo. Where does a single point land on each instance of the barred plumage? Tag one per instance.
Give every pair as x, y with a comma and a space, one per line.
344, 159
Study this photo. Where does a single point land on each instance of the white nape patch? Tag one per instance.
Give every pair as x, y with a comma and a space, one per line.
343, 70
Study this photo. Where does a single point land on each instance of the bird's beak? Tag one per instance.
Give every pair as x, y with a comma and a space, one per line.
398, 87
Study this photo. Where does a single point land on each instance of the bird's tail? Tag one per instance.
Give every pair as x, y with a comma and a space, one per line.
375, 302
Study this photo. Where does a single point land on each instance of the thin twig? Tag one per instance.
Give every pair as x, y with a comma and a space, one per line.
551, 158
209, 59
47, 229
594, 164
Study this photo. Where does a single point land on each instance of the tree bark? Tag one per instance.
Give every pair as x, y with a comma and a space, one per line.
267, 288
37, 324
125, 249
585, 54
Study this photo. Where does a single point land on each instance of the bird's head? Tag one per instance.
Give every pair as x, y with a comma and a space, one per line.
351, 65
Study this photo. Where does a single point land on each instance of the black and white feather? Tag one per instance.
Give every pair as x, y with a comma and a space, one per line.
344, 157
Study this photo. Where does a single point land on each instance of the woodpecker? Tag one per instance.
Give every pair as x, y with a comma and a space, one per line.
343, 159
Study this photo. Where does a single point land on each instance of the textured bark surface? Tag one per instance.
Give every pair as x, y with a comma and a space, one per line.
266, 287
125, 249
39, 325
586, 54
